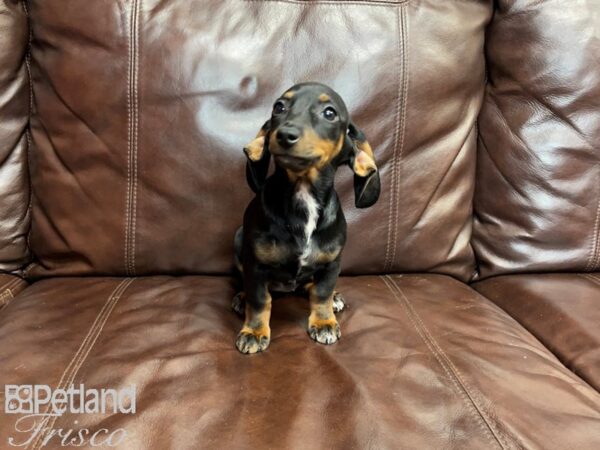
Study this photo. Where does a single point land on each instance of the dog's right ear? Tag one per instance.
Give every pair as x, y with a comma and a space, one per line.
259, 157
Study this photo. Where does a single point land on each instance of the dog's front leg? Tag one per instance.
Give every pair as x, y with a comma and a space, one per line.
256, 333
322, 324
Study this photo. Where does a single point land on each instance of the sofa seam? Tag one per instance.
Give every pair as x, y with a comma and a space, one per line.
390, 252
82, 353
590, 277
28, 136
405, 82
7, 293
451, 370
28, 56
5, 297
132, 138
136, 130
129, 122
11, 284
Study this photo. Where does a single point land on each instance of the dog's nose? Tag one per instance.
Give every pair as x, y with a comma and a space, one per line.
288, 136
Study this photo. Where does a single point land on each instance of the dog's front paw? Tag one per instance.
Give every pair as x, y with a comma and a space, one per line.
338, 302
324, 331
252, 341
238, 303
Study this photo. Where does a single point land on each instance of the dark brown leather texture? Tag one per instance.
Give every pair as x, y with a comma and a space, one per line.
122, 182
424, 362
14, 118
561, 310
143, 107
537, 202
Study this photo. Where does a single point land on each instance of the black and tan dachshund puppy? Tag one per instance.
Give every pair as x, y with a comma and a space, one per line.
294, 228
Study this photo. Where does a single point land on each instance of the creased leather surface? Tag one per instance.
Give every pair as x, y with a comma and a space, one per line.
424, 362
561, 310
144, 106
537, 202
14, 117
10, 286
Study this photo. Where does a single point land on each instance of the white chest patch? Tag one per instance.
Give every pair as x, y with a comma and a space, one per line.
306, 199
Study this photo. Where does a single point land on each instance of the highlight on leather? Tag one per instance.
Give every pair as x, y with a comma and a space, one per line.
15, 104
537, 197
163, 116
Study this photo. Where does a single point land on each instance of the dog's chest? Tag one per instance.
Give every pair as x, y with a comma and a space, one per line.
305, 200
294, 247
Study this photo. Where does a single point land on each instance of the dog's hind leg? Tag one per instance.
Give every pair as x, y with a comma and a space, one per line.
237, 249
238, 303
338, 302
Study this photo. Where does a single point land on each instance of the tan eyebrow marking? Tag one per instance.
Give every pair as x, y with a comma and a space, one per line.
323, 98
288, 94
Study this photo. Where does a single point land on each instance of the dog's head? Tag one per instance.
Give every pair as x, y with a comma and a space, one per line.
310, 129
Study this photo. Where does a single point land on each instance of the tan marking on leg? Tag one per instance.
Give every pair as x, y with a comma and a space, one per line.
322, 324
255, 335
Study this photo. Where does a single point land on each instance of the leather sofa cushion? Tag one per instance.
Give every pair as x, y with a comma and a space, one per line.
143, 107
561, 310
424, 362
537, 200
14, 116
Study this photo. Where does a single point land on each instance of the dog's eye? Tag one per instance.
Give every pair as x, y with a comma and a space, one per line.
278, 108
329, 113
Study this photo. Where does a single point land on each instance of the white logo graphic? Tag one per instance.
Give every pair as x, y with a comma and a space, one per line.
37, 398
39, 403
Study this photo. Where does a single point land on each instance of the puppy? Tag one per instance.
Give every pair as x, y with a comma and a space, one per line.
294, 229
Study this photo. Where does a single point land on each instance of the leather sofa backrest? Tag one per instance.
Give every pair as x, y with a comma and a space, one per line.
537, 202
142, 108
14, 117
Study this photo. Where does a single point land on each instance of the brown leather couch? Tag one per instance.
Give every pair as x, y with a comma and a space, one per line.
473, 284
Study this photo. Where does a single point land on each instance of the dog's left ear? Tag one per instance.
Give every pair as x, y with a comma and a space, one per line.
259, 157
367, 185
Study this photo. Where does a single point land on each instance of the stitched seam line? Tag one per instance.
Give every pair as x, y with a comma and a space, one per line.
6, 297
82, 353
129, 123
135, 134
28, 57
132, 139
10, 287
452, 372
590, 277
594, 253
10, 284
398, 112
405, 79
28, 130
